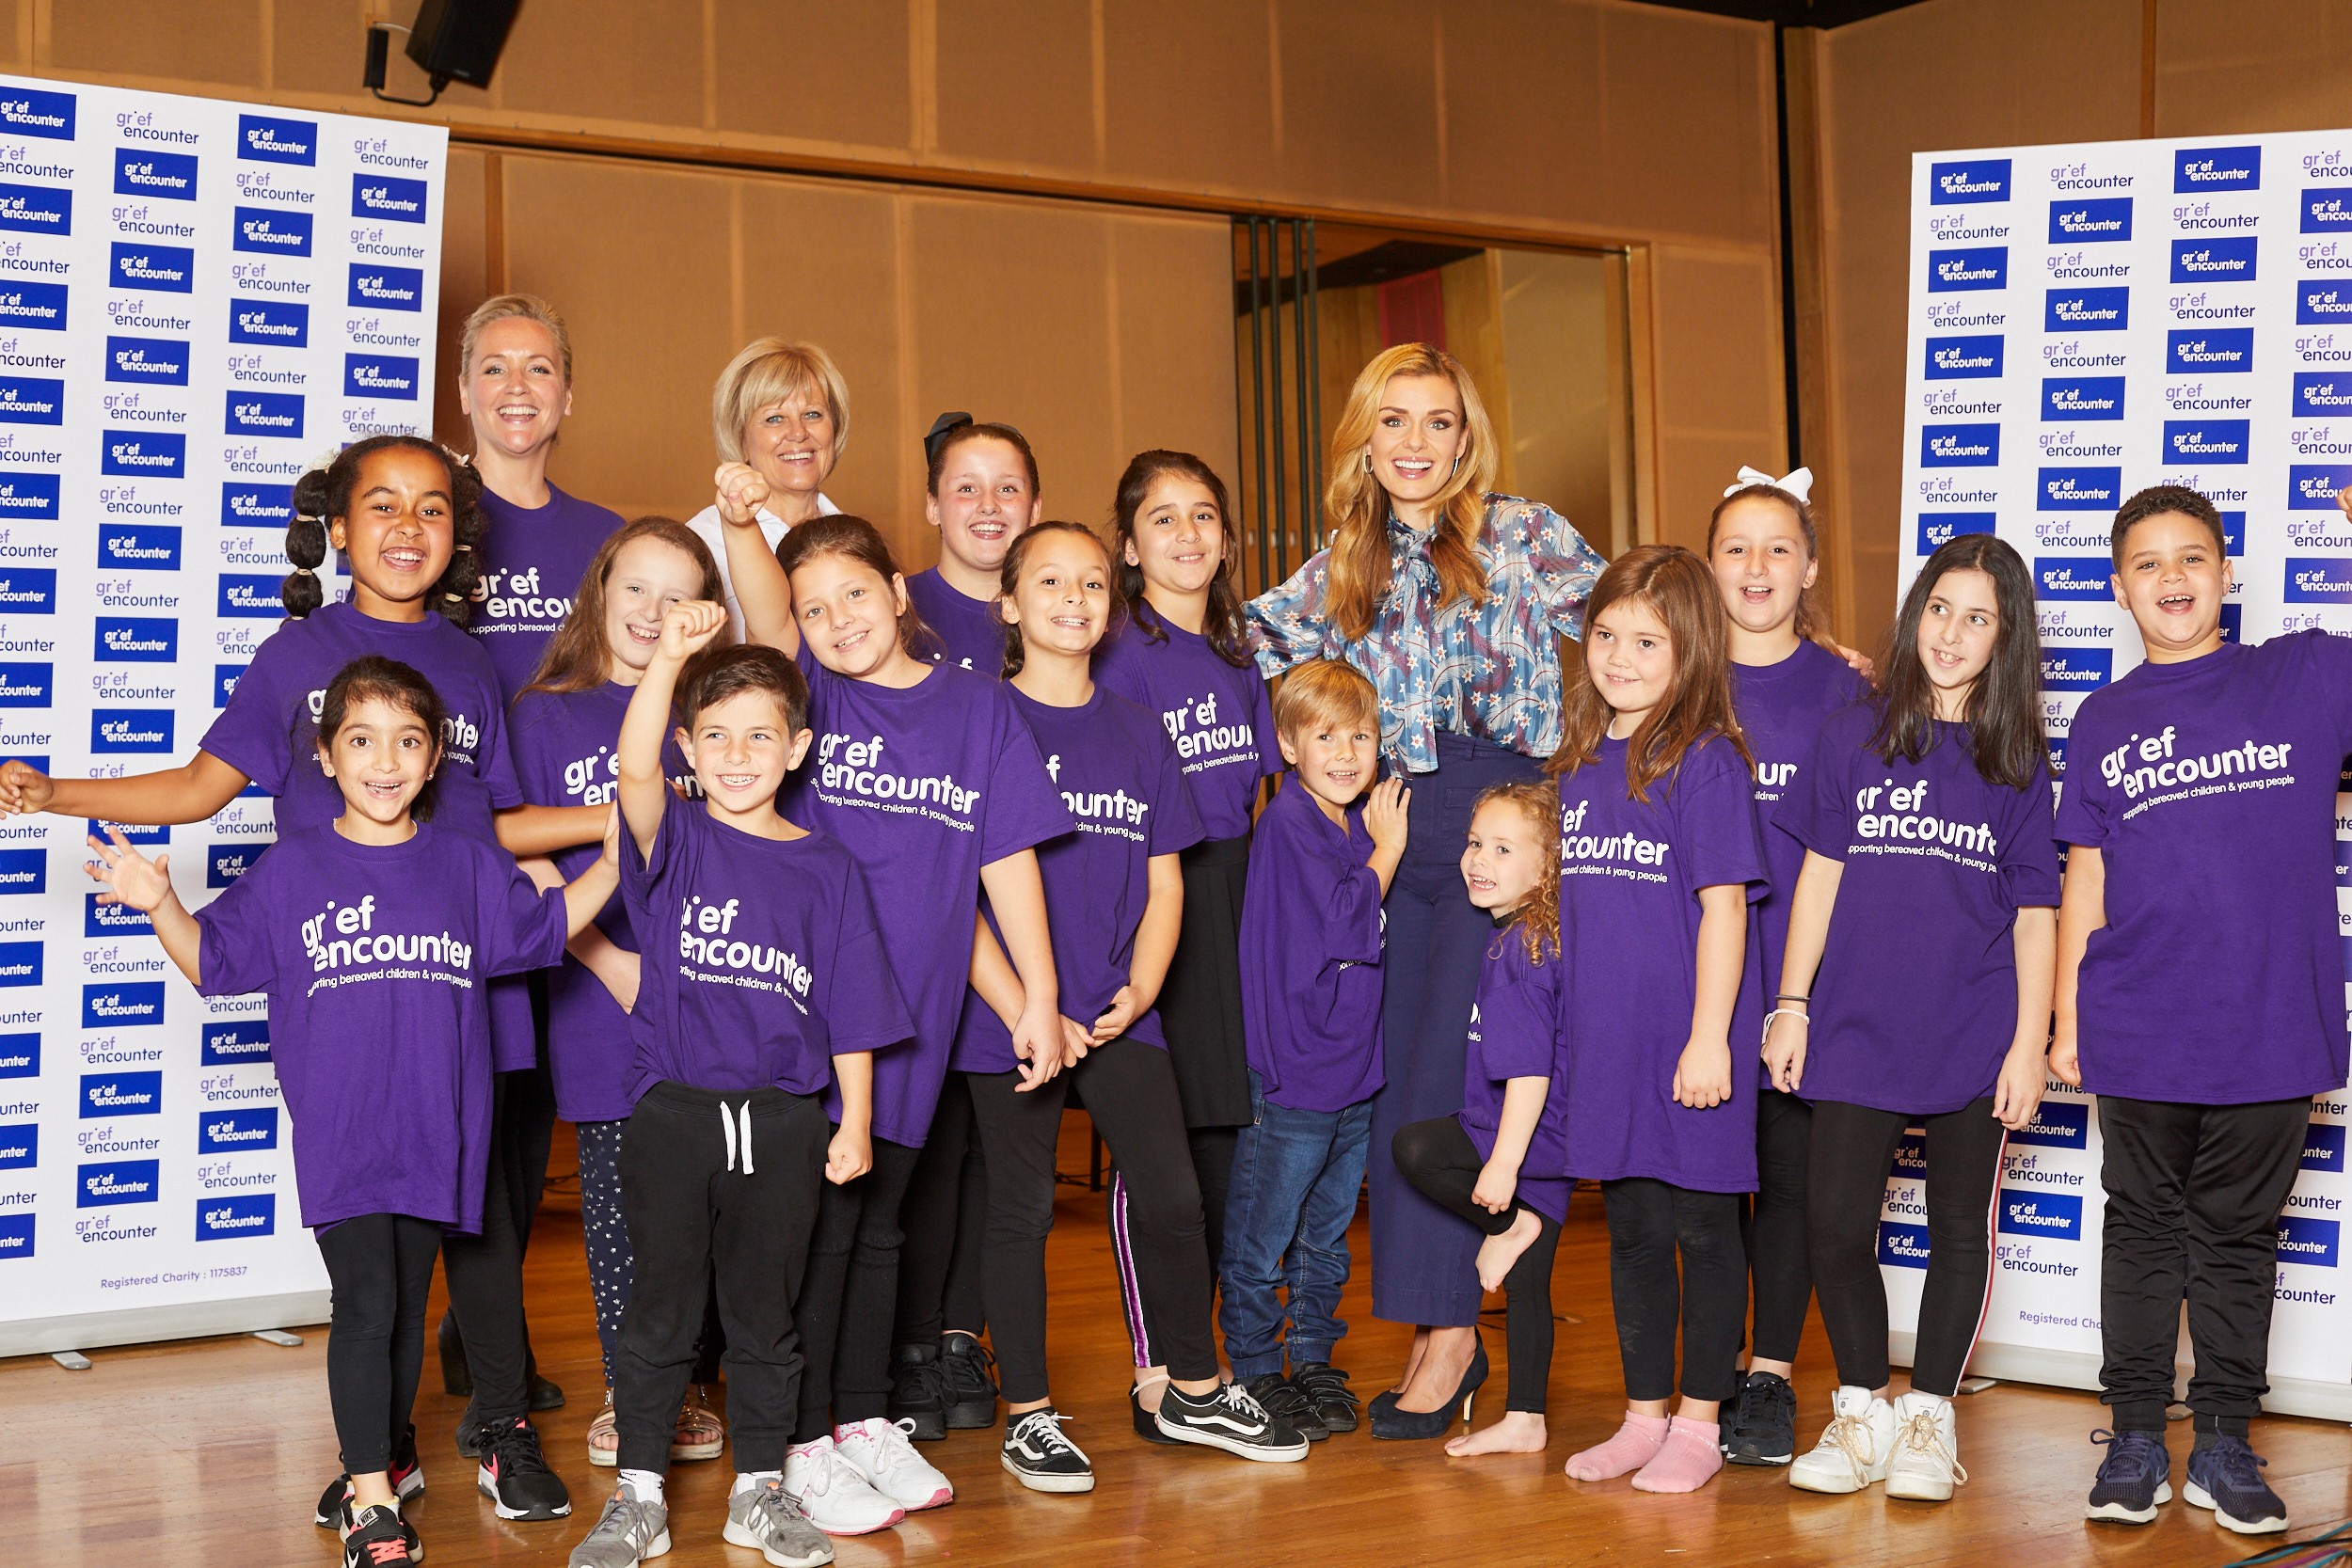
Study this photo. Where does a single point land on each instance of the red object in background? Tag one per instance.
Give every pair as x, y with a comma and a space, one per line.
1412, 311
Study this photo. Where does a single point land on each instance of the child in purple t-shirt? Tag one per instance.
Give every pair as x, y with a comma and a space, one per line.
1497, 1162
1310, 989
981, 491
1660, 854
2200, 992
375, 936
1915, 992
1761, 545
763, 988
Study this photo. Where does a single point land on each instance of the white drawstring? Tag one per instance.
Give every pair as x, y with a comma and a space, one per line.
747, 1137
727, 1125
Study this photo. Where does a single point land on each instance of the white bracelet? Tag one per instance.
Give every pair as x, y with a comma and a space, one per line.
1778, 1012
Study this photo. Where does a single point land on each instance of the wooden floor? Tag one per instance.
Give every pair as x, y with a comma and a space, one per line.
213, 1453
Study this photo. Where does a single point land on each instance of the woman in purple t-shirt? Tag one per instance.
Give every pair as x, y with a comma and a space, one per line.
374, 935
1921, 955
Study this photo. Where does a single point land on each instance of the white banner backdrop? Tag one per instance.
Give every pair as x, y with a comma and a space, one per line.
2086, 321
197, 299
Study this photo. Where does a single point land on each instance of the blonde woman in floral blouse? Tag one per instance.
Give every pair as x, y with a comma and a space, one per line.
1453, 600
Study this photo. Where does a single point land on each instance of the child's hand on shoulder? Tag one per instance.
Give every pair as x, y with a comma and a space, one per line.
848, 1156
24, 788
689, 627
1703, 1075
129, 877
1384, 814
1498, 1183
742, 492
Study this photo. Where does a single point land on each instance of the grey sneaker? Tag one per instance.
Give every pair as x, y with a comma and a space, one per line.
627, 1532
768, 1520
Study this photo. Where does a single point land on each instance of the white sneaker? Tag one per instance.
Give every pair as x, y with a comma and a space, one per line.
1925, 1462
879, 1451
1854, 1448
836, 1498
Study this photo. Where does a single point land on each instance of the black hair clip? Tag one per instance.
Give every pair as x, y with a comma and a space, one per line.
944, 426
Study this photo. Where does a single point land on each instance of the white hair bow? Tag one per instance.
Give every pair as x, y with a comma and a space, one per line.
1798, 482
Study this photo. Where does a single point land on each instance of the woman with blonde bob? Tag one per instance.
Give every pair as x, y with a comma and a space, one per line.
781, 411
1453, 600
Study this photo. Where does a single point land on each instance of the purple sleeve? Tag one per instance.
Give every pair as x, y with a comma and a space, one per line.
1022, 808
864, 1007
642, 874
1817, 815
252, 734
1351, 910
1517, 1025
2029, 862
1714, 813
234, 955
522, 927
495, 765
1175, 822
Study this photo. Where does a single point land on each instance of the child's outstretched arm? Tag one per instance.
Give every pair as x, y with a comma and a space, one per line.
1156, 945
1384, 821
587, 894
1522, 1108
643, 791
1016, 895
1790, 1032
534, 830
761, 589
189, 793
2082, 909
1703, 1076
130, 879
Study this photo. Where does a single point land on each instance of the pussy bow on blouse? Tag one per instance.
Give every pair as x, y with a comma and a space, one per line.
1490, 670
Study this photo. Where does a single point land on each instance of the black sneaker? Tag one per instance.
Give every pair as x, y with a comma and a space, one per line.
971, 1382
918, 1392
1286, 1402
2227, 1476
379, 1538
2133, 1478
1041, 1458
407, 1475
1763, 1426
1326, 1388
515, 1474
1231, 1420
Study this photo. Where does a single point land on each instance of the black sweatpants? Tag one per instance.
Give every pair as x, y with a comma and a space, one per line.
1438, 1157
1212, 1168
1780, 1269
1130, 1093
379, 1269
1650, 1223
724, 1187
849, 1298
944, 1221
1852, 1147
2193, 1200
484, 1273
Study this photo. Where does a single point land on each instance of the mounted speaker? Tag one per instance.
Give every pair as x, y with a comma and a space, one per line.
459, 40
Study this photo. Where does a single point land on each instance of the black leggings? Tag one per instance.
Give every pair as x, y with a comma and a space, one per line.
1773, 1226
850, 1296
1852, 1148
1438, 1157
1130, 1093
379, 1269
1213, 1167
484, 1273
945, 1220
1650, 1222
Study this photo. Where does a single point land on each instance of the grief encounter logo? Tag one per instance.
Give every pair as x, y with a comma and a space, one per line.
1971, 181
2093, 221
1939, 529
1960, 446
2230, 260
227, 1219
2324, 579
2082, 397
2076, 669
2088, 310
1961, 271
2093, 489
2074, 577
2307, 1240
1968, 358
2216, 168
2056, 1216
2196, 441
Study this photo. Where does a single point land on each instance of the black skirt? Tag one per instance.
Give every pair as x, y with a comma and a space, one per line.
1200, 1004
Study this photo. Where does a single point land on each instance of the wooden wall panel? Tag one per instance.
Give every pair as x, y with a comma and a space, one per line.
1359, 102
1176, 384
1677, 99
221, 43
1717, 327
1188, 95
1014, 84
1521, 77
637, 61
2231, 67
466, 282
814, 70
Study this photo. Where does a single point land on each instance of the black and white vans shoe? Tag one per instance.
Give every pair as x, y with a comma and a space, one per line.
1041, 1458
1231, 1420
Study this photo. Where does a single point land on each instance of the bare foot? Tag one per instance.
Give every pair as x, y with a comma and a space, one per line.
1412, 1361
1496, 1253
1519, 1431
1439, 1373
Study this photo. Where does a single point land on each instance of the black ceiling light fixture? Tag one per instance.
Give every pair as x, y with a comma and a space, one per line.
452, 40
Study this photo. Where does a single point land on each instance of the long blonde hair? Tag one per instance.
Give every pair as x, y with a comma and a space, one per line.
1356, 506
1538, 919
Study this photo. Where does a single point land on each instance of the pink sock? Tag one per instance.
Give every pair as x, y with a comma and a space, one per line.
1687, 1461
1636, 1443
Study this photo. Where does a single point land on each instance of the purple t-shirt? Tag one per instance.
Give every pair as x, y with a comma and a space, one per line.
777, 964
1629, 879
968, 629
375, 960
1515, 1031
1312, 934
1218, 715
1915, 1003
566, 752
532, 560
1781, 708
1119, 777
269, 733
924, 785
2209, 788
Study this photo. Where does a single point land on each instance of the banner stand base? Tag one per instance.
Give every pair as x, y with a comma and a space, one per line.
139, 1326
2288, 1396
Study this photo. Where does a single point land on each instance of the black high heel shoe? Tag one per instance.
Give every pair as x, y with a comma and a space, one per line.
1388, 1422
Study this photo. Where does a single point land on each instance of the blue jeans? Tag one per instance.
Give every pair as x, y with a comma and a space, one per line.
1296, 1176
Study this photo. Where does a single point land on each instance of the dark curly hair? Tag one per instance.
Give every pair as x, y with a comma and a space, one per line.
323, 494
372, 677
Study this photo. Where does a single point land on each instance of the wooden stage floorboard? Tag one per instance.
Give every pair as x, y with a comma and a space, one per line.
213, 1451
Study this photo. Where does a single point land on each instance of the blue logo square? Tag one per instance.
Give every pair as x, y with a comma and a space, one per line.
1939, 529
147, 361
169, 175
136, 640
20, 963
38, 306
29, 591
169, 268
236, 1131
20, 1055
228, 861
36, 209
2056, 1216
139, 546
233, 1042
29, 112
271, 322
2233, 533
2307, 1241
101, 921
144, 455
24, 871
116, 1181
2073, 578
1963, 271
2205, 442
2076, 669
132, 730
2323, 1143
386, 288
1976, 179
30, 496
2323, 394
20, 1146
2056, 1124
2087, 309
379, 375
272, 231
1960, 446
2097, 220
278, 141
227, 1219
2218, 168
250, 594
2095, 489
1902, 1246
277, 414
121, 1094
2082, 397
384, 197
2319, 579
31, 400
2326, 212
2313, 487
2225, 261
225, 683
1967, 358
29, 685
16, 1236
247, 505
2320, 302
